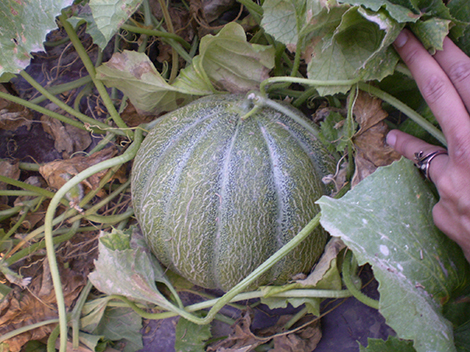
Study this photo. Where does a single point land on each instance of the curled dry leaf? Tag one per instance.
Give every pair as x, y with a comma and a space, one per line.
325, 264
11, 170
12, 115
134, 118
25, 307
304, 338
67, 139
371, 149
241, 339
32, 217
57, 173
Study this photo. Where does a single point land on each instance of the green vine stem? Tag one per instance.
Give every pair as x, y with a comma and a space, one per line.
347, 264
53, 114
309, 82
174, 53
64, 234
27, 187
24, 212
296, 293
26, 328
351, 131
71, 212
156, 33
61, 88
76, 312
119, 160
92, 72
253, 8
413, 115
82, 117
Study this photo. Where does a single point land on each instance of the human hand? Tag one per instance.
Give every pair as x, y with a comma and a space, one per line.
444, 82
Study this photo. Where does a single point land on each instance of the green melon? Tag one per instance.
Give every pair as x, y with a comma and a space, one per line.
216, 195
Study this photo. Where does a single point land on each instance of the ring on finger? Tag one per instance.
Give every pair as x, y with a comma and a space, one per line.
423, 162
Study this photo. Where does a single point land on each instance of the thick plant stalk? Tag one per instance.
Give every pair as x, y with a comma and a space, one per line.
309, 82
127, 156
347, 263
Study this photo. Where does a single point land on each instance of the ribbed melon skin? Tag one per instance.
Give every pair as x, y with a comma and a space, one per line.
216, 195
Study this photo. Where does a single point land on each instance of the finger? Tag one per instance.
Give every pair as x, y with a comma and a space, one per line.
437, 89
408, 146
456, 64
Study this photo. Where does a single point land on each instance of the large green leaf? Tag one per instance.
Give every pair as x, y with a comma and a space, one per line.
391, 345
109, 15
190, 337
401, 12
23, 27
230, 62
386, 220
134, 74
289, 21
358, 48
126, 271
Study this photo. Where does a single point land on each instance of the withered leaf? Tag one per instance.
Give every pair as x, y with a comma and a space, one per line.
25, 307
56, 173
11, 170
12, 115
67, 139
371, 149
304, 338
241, 339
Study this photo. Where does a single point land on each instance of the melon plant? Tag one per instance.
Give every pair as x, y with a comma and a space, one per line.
218, 187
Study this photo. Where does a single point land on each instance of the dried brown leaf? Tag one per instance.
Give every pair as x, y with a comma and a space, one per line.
12, 115
241, 339
304, 338
57, 173
67, 139
133, 118
368, 111
371, 149
25, 307
11, 170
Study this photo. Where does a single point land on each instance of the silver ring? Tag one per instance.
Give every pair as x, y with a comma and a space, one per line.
424, 161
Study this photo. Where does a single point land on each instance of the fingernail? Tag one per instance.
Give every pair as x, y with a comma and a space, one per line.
391, 139
401, 39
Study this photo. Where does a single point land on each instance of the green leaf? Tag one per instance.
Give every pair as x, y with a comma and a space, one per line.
130, 272
89, 340
135, 75
231, 63
23, 27
190, 337
392, 344
386, 220
121, 324
117, 240
280, 19
462, 337
358, 48
431, 32
289, 21
92, 313
404, 12
333, 132
84, 15
460, 10
312, 304
109, 15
